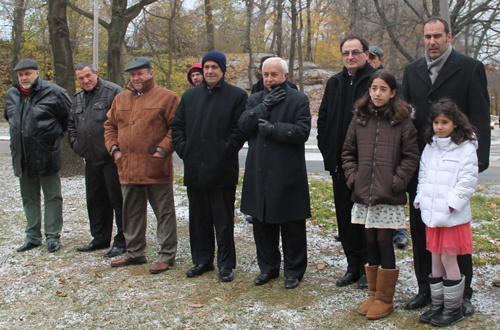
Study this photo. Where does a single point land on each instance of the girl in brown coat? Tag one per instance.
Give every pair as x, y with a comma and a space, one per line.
379, 158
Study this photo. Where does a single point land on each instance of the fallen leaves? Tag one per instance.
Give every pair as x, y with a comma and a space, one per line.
61, 293
195, 305
493, 205
27, 263
320, 266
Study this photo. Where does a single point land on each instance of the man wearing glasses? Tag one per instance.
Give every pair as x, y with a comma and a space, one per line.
335, 115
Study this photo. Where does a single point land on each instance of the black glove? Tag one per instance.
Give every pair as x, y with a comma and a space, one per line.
266, 128
274, 97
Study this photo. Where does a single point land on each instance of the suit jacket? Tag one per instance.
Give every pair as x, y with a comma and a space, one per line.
463, 79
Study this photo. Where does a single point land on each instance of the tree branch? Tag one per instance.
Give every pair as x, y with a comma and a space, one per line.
87, 14
390, 30
131, 12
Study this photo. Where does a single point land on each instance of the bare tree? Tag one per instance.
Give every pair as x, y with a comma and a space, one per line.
121, 16
17, 32
248, 44
293, 38
63, 72
210, 25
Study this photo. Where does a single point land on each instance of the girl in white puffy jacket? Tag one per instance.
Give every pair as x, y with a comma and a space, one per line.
446, 181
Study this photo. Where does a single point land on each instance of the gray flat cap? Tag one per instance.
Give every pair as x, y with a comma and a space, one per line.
139, 63
26, 64
377, 51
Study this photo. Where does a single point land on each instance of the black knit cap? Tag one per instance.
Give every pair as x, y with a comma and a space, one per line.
217, 57
26, 64
139, 63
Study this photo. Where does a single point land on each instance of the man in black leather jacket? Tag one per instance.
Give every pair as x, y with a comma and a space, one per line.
37, 112
86, 137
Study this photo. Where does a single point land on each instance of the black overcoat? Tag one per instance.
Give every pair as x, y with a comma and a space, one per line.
275, 186
37, 125
206, 134
330, 118
463, 79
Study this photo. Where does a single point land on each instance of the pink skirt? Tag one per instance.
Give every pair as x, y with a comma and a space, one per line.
450, 240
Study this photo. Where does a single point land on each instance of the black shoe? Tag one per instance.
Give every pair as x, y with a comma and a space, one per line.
291, 282
427, 316
199, 270
401, 242
447, 317
249, 220
264, 278
115, 251
363, 282
348, 278
53, 246
467, 307
27, 246
92, 247
419, 301
337, 237
226, 274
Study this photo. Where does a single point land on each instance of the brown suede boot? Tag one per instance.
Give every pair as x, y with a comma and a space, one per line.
386, 283
371, 276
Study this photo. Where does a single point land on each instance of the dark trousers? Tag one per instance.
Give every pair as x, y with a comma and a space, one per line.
422, 258
352, 236
211, 208
293, 237
104, 196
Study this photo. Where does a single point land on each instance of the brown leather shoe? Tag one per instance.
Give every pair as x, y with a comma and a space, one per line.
128, 261
160, 267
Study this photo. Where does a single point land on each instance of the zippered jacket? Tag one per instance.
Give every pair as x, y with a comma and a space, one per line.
37, 125
380, 156
447, 178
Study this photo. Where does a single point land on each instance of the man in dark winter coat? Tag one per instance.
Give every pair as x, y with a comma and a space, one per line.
37, 112
275, 187
443, 72
86, 137
207, 137
335, 114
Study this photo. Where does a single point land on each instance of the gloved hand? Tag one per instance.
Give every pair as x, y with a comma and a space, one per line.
266, 128
274, 97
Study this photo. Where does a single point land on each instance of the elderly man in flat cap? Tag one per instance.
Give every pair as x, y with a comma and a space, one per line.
37, 112
137, 135
207, 137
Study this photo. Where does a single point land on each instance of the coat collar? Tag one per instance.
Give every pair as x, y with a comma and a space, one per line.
449, 68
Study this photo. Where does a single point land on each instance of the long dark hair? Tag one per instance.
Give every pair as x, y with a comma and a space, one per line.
395, 108
464, 130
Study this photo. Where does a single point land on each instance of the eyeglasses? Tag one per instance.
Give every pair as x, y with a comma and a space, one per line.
354, 53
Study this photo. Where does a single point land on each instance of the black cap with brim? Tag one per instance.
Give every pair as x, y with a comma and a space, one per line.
139, 63
26, 64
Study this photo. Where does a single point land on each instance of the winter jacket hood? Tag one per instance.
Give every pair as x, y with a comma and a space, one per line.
447, 178
195, 66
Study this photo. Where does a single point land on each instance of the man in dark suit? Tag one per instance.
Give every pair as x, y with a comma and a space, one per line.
275, 189
443, 72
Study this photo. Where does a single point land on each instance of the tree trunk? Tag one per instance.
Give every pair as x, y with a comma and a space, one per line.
210, 26
63, 73
309, 32
248, 43
17, 32
293, 4
354, 14
261, 25
171, 40
278, 27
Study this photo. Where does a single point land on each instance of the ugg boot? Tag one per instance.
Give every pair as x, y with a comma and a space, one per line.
386, 284
452, 311
437, 296
371, 276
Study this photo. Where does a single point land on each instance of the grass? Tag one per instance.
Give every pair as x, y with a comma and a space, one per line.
100, 297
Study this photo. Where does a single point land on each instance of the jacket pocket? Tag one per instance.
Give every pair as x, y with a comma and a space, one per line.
155, 168
99, 112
